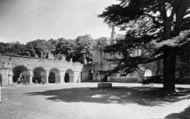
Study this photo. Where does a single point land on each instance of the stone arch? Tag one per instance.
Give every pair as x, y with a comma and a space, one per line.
39, 75
69, 76
54, 76
151, 68
20, 74
148, 73
90, 75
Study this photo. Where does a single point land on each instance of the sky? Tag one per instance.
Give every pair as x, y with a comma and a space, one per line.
27, 20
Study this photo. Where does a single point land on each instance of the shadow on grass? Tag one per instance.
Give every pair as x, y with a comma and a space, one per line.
148, 96
182, 115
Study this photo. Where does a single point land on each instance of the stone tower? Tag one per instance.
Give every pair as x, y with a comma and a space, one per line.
112, 38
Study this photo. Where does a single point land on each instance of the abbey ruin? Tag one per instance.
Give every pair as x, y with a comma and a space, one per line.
37, 70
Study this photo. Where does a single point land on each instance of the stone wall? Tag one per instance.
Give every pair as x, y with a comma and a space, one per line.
8, 63
182, 71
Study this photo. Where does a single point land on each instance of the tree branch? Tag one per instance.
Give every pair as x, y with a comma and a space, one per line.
177, 41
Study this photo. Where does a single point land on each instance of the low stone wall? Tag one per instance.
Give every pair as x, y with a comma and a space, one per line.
183, 81
123, 79
104, 85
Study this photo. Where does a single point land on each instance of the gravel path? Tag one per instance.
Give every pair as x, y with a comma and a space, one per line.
84, 101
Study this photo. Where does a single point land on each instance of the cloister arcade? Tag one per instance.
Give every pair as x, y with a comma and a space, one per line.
27, 70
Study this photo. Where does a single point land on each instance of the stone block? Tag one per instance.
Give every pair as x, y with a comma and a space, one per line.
104, 85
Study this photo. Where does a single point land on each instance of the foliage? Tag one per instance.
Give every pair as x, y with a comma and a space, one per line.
82, 51
12, 48
66, 47
101, 42
39, 48
79, 49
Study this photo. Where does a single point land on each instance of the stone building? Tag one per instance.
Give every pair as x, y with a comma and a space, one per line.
100, 65
37, 70
97, 69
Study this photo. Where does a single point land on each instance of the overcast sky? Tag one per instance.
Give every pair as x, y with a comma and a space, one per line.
26, 20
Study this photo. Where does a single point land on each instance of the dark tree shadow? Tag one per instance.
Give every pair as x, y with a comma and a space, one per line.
141, 95
182, 115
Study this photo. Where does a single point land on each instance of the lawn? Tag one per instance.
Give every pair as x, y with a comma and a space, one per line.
83, 101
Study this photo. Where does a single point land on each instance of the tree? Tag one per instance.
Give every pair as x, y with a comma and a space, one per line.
4, 47
38, 48
101, 42
15, 48
66, 47
154, 26
52, 44
82, 50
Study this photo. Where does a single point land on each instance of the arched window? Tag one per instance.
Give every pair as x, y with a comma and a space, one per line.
147, 73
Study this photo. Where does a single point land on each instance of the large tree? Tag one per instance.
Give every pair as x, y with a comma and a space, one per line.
66, 47
82, 51
155, 27
78, 49
39, 48
14, 48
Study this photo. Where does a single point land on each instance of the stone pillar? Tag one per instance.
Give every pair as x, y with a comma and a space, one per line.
47, 76
77, 77
10, 75
30, 76
62, 77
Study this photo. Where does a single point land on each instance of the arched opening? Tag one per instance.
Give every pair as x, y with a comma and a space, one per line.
54, 76
90, 75
39, 75
147, 73
69, 76
66, 78
20, 75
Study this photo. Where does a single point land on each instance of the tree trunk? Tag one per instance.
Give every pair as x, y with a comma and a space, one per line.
169, 69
